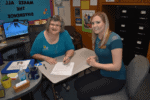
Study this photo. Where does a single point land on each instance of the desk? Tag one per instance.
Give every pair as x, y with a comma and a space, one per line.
80, 64
12, 43
10, 93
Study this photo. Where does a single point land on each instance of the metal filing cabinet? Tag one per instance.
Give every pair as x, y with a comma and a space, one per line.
132, 24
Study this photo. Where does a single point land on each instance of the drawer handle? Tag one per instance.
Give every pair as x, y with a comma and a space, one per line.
143, 12
142, 18
122, 25
141, 27
141, 33
139, 42
124, 11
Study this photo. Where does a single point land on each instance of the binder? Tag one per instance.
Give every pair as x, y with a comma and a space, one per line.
5, 71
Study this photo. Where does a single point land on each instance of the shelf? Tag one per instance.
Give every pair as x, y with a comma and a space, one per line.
138, 4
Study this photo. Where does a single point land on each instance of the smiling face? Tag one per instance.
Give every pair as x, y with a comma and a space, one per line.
54, 27
98, 26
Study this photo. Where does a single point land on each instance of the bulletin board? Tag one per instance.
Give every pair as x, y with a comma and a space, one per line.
78, 10
24, 9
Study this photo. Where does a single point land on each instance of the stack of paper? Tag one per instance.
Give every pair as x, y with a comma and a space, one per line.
13, 76
61, 69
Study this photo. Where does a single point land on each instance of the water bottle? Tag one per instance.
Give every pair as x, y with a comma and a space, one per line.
21, 73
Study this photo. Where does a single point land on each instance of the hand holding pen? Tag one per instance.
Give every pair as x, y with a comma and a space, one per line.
66, 59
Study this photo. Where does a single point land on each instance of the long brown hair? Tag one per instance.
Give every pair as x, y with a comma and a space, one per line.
107, 31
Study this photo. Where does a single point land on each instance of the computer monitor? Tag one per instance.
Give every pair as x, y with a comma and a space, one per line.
15, 29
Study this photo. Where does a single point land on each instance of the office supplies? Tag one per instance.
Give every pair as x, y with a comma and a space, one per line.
17, 64
61, 69
21, 86
5, 71
67, 59
13, 76
45, 66
38, 64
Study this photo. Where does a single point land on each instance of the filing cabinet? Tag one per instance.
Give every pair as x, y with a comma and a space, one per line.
133, 25
125, 13
143, 14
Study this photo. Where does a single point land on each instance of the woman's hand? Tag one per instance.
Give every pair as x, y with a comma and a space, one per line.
91, 60
51, 60
66, 59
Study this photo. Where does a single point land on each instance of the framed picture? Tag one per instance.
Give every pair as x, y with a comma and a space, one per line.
77, 12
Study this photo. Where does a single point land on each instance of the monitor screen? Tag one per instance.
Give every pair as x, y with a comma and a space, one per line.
17, 28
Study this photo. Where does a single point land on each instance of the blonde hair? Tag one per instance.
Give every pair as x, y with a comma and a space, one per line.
102, 43
55, 18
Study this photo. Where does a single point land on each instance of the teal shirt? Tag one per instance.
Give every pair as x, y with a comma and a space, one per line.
41, 46
105, 56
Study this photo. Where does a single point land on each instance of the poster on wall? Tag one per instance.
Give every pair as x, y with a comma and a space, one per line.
18, 9
77, 12
86, 20
78, 22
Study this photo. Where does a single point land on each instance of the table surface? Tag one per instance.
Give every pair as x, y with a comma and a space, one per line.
11, 94
79, 60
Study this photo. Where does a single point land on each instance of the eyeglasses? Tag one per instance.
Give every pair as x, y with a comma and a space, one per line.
55, 25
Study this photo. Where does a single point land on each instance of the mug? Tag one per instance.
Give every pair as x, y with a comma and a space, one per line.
33, 74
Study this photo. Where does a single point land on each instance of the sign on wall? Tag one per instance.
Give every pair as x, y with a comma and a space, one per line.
24, 9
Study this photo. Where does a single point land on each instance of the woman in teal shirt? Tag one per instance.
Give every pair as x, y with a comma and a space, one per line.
53, 42
108, 48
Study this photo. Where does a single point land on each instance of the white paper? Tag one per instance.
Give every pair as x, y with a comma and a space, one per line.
15, 66
76, 3
61, 69
93, 2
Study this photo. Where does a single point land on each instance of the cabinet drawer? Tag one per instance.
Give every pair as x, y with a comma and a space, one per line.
140, 53
141, 28
143, 14
141, 43
125, 12
122, 26
143, 35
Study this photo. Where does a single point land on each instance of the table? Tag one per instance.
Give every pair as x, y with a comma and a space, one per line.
80, 64
10, 94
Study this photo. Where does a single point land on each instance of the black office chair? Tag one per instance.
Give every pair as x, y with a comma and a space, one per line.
14, 52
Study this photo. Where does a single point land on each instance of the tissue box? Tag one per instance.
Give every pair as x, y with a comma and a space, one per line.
22, 86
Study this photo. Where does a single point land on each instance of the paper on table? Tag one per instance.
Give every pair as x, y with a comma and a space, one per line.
14, 65
61, 69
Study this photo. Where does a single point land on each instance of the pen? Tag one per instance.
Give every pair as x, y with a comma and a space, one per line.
67, 59
44, 66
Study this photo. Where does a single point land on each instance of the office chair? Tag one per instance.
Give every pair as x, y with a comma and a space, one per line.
136, 72
14, 52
